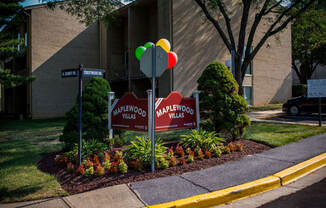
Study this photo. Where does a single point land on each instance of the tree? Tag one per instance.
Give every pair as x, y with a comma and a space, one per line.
9, 18
94, 115
89, 11
222, 108
309, 42
276, 13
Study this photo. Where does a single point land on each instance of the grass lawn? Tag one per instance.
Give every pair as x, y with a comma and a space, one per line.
280, 134
21, 145
266, 107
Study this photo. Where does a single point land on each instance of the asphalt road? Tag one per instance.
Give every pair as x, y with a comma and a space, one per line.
313, 196
307, 192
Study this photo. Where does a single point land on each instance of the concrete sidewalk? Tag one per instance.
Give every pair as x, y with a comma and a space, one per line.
166, 189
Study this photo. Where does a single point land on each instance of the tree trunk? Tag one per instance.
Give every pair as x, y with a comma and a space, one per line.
237, 73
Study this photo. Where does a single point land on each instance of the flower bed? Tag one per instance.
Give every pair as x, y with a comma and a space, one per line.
74, 181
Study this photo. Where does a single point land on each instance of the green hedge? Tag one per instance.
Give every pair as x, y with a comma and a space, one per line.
299, 90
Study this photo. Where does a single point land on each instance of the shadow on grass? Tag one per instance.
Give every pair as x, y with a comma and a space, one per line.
18, 193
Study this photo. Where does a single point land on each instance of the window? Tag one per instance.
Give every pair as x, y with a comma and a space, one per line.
25, 39
247, 94
249, 68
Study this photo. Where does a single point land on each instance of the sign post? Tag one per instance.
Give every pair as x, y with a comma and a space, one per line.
80, 113
153, 105
317, 89
196, 95
81, 72
110, 98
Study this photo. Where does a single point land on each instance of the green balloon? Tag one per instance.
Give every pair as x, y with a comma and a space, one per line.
139, 52
149, 44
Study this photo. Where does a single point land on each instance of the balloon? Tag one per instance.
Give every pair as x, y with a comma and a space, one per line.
139, 52
165, 44
173, 59
149, 44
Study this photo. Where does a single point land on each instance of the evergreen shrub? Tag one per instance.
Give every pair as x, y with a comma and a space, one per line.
222, 109
94, 115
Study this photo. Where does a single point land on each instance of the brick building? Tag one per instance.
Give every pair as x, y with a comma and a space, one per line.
57, 41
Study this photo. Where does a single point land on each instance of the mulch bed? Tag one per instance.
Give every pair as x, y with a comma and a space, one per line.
77, 184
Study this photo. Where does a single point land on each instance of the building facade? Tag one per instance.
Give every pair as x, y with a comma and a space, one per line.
58, 41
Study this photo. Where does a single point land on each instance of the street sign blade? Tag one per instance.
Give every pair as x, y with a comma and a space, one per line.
88, 72
66, 73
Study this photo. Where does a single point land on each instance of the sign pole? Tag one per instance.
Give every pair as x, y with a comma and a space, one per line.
80, 112
149, 102
153, 105
196, 95
319, 111
110, 98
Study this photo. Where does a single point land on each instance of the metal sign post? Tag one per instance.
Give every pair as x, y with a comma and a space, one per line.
80, 113
110, 98
196, 95
153, 105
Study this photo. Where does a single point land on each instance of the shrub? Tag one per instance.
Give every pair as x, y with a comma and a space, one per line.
94, 114
239, 147
182, 161
299, 90
70, 167
217, 152
190, 159
123, 168
179, 151
200, 154
163, 163
88, 163
173, 161
89, 148
100, 170
222, 108
107, 165
141, 149
202, 139
208, 154
80, 170
231, 147
89, 172
114, 167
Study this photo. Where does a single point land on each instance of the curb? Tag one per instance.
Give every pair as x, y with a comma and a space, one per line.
251, 188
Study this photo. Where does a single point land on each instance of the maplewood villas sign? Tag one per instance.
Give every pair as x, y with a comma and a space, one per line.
171, 113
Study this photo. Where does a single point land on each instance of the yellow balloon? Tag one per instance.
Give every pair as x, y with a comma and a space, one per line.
165, 44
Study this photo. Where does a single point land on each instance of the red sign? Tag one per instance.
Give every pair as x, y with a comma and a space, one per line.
130, 113
173, 112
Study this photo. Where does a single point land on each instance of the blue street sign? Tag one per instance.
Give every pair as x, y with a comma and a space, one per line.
93, 73
69, 73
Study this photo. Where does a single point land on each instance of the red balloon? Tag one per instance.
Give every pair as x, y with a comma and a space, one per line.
173, 59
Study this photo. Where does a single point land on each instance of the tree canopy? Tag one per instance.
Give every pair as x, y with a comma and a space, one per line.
276, 14
309, 42
9, 18
89, 11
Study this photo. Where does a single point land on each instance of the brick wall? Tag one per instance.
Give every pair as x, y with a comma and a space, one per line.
58, 41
